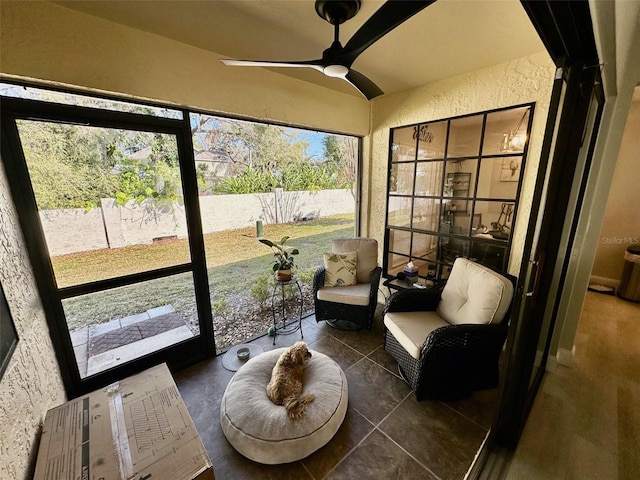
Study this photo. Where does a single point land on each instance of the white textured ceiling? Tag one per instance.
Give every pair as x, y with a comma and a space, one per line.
448, 38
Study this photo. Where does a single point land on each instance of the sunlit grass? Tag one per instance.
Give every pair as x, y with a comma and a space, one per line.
235, 259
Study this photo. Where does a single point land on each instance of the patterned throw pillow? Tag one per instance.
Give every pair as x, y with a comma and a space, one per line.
340, 269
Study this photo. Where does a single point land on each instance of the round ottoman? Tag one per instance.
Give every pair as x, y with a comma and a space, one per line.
262, 431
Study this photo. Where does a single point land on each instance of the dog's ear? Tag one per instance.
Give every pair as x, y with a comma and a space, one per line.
296, 354
288, 358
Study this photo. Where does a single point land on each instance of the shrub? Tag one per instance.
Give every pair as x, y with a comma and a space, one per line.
261, 289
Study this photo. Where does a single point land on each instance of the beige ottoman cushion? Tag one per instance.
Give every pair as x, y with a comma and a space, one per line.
262, 431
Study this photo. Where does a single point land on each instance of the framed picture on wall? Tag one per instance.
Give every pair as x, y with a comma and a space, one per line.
8, 335
510, 171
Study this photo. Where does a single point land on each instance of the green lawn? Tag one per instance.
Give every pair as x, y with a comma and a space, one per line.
235, 261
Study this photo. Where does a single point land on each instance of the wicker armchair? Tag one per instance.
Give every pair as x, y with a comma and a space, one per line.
350, 307
448, 343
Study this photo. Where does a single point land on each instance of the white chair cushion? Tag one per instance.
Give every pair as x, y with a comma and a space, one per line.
340, 269
367, 249
411, 329
474, 294
357, 294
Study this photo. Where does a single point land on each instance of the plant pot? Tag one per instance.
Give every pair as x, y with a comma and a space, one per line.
283, 275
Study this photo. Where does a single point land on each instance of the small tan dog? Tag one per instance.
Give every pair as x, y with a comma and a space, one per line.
285, 386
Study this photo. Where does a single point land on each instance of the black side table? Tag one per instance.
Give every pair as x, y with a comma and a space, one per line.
281, 324
394, 283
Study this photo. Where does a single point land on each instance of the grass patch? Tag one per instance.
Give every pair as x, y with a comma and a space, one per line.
235, 262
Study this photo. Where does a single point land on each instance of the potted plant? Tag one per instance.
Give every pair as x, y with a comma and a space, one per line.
283, 258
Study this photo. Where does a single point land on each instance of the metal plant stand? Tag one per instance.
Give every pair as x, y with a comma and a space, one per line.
281, 324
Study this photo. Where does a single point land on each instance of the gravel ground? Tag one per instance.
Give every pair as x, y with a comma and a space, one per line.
245, 319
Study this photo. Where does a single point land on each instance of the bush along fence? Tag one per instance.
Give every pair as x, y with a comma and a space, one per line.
115, 226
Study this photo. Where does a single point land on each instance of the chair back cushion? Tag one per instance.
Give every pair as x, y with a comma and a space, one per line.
340, 269
474, 294
367, 258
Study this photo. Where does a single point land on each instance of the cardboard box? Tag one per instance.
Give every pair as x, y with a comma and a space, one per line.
138, 428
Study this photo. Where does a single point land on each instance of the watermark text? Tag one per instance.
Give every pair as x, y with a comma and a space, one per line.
621, 240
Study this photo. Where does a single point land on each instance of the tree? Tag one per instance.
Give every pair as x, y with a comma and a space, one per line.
342, 153
74, 166
69, 165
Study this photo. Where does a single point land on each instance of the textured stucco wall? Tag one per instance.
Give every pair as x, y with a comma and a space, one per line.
524, 80
32, 384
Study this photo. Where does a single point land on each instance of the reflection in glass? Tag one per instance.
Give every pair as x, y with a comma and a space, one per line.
156, 314
432, 140
401, 181
400, 211
489, 253
466, 200
464, 137
425, 247
403, 145
453, 247
466, 222
395, 263
400, 241
429, 178
496, 219
460, 178
425, 213
499, 177
506, 131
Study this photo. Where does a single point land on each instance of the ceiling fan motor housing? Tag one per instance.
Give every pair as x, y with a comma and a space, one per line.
337, 11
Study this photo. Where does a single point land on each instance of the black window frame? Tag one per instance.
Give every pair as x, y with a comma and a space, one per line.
469, 243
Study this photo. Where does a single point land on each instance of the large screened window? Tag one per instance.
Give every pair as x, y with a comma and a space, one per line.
143, 221
453, 190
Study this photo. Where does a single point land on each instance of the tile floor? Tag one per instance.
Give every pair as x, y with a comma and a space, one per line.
585, 421
386, 433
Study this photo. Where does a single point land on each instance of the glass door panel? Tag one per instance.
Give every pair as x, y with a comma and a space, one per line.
399, 214
432, 140
499, 177
110, 204
403, 145
464, 137
401, 180
428, 179
426, 212
506, 131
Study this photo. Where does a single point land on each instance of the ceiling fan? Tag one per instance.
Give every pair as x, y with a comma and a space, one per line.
336, 60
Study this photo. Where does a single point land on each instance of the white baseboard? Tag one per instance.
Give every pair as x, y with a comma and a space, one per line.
604, 281
552, 364
565, 357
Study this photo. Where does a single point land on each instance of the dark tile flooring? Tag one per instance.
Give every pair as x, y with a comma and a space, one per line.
386, 434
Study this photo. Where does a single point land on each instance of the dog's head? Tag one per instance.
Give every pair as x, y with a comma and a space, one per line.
299, 353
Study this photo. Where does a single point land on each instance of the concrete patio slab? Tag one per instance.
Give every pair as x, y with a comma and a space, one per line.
137, 349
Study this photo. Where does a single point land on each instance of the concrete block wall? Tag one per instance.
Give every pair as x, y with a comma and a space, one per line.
114, 226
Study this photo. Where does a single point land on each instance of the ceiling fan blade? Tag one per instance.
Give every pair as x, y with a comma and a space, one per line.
315, 64
363, 84
389, 16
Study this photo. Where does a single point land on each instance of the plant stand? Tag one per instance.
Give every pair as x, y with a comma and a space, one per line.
281, 324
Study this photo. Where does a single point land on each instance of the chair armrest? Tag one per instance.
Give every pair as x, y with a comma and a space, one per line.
318, 279
375, 279
466, 338
375, 285
413, 300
